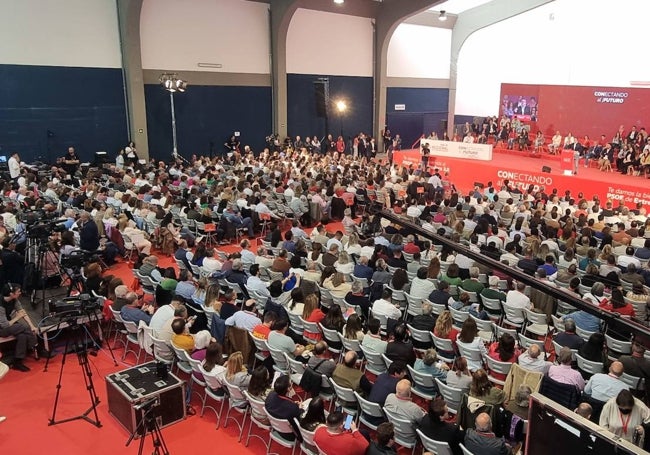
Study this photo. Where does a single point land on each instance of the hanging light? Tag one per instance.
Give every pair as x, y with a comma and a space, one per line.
443, 15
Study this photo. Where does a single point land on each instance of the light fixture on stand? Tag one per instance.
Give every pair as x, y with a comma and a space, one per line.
172, 83
442, 16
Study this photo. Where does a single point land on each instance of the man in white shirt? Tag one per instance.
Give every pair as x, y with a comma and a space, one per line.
517, 299
14, 166
603, 386
261, 207
247, 256
210, 263
628, 258
246, 319
254, 283
385, 307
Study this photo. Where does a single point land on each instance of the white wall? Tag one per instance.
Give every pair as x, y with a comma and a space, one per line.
419, 51
330, 44
60, 33
599, 42
179, 34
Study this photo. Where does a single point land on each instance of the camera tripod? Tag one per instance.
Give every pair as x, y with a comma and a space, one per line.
78, 338
149, 424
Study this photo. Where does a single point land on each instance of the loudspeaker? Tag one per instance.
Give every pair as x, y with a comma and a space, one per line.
546, 169
320, 98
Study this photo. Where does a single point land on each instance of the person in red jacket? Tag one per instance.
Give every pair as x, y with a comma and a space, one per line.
617, 304
333, 439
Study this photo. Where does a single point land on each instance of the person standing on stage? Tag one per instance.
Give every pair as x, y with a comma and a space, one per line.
14, 166
71, 162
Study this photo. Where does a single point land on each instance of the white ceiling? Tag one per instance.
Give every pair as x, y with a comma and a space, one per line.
458, 6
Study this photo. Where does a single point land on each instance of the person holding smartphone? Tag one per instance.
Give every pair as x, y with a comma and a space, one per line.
340, 435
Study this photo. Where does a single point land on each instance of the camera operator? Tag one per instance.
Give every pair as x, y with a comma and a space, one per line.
12, 264
19, 326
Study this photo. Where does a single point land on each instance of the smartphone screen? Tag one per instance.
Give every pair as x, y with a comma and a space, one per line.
348, 422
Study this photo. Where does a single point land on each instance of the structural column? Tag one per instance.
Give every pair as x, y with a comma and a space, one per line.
129, 22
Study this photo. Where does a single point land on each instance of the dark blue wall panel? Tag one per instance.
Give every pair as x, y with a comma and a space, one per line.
425, 110
82, 107
207, 114
355, 91
418, 99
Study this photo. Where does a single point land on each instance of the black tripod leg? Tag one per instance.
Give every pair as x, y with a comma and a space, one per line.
58, 385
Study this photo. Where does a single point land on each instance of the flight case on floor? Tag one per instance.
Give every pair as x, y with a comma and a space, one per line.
131, 391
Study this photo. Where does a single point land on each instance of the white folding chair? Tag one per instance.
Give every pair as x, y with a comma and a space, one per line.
370, 412
452, 396
403, 431
374, 362
278, 428
257, 416
423, 384
433, 446
495, 366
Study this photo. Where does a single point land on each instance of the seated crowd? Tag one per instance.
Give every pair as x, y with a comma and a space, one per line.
362, 296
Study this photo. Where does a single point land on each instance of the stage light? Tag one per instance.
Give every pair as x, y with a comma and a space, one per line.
172, 83
443, 16
339, 2
341, 106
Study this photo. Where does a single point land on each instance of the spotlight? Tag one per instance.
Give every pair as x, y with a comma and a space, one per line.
341, 106
339, 2
443, 16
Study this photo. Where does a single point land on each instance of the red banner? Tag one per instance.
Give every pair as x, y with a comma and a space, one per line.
580, 110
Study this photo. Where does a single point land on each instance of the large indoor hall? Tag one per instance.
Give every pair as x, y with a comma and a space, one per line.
324, 227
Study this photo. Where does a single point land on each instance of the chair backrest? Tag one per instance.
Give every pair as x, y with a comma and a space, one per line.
280, 360
498, 331
374, 363
235, 394
421, 380
513, 314
307, 436
350, 345
525, 342
403, 430
296, 324
558, 323
388, 362
471, 354
368, 407
258, 412
452, 395
459, 316
260, 344
483, 326
363, 281
131, 327
589, 366
433, 446
634, 382
279, 425
295, 366
465, 451
618, 346
414, 304
584, 334
343, 393
535, 318
212, 380
492, 305
423, 336
330, 335
495, 366
311, 327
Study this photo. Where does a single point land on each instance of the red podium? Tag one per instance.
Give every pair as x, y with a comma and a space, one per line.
566, 162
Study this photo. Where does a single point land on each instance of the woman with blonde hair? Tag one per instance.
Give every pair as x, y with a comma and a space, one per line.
236, 372
606, 251
344, 264
337, 285
353, 246
444, 328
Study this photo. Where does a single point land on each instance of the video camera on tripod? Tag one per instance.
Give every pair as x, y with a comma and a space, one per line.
73, 306
77, 259
39, 226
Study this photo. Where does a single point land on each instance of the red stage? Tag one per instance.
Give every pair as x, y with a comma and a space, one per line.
523, 170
